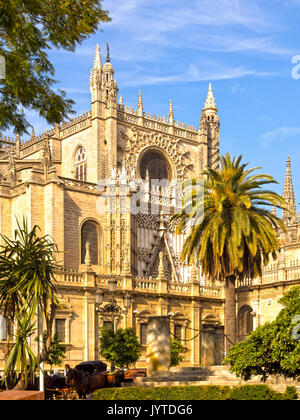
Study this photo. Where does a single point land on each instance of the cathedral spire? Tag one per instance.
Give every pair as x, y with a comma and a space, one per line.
290, 214
96, 84
97, 60
96, 71
209, 133
210, 103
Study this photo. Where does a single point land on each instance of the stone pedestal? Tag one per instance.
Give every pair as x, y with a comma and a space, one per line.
158, 344
212, 345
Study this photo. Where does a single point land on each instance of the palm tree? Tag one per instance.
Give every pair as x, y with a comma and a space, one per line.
21, 362
27, 282
235, 234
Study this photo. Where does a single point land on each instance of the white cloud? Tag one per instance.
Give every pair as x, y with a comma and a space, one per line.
166, 16
149, 30
192, 74
281, 133
232, 43
203, 23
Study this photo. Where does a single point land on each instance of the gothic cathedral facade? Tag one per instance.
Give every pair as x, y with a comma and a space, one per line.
76, 182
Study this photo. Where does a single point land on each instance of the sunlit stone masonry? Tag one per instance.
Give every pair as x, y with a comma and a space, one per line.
78, 182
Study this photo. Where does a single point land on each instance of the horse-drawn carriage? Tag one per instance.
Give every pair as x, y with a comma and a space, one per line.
85, 378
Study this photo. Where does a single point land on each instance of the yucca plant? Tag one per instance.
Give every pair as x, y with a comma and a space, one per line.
21, 363
235, 234
27, 278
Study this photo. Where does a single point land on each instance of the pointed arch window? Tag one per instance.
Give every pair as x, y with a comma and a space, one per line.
80, 164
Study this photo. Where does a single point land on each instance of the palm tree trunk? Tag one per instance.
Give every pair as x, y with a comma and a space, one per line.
21, 386
230, 313
49, 327
8, 338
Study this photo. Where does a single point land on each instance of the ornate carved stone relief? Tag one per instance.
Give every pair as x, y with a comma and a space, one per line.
137, 140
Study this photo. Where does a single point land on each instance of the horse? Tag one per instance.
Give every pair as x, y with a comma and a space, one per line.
84, 382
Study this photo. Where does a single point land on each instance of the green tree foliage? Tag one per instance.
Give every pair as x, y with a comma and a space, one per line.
21, 361
177, 349
57, 352
233, 232
271, 348
28, 30
121, 348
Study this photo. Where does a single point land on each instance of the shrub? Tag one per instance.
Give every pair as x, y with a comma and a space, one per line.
177, 349
291, 393
271, 349
186, 393
261, 392
122, 347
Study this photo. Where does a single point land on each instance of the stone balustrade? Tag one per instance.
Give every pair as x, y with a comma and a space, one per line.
74, 277
179, 288
275, 273
213, 291
145, 284
290, 272
140, 284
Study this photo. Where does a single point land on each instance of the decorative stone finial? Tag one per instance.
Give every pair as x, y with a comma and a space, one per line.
171, 113
12, 168
107, 53
57, 129
140, 106
18, 145
193, 275
46, 157
161, 267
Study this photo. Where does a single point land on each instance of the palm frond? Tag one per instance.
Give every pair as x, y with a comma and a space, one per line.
237, 233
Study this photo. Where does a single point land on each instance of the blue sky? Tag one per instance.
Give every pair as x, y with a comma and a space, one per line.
172, 49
